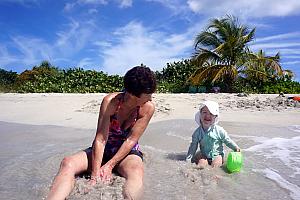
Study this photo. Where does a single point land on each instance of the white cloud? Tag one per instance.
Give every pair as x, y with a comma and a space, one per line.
74, 38
138, 45
293, 57
290, 51
5, 57
92, 11
195, 6
101, 2
85, 63
33, 50
279, 37
284, 53
69, 6
102, 44
177, 6
275, 45
291, 62
208, 8
125, 3
22, 2
246, 8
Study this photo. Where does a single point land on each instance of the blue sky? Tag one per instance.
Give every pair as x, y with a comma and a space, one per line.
115, 35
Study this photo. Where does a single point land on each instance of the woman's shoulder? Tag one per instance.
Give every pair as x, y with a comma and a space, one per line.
149, 104
113, 97
111, 101
147, 108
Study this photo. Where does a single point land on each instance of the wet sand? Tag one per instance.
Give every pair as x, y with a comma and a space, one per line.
31, 149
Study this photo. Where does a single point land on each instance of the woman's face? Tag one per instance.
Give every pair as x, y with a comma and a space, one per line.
207, 119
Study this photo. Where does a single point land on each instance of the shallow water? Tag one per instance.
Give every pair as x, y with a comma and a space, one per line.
271, 164
30, 157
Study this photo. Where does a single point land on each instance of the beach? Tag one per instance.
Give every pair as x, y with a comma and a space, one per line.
38, 130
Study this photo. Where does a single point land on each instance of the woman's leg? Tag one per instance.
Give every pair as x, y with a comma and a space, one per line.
217, 162
132, 168
65, 178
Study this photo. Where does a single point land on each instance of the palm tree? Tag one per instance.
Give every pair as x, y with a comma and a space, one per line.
220, 51
288, 74
261, 68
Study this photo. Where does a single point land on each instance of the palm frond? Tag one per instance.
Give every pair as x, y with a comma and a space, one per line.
224, 46
203, 55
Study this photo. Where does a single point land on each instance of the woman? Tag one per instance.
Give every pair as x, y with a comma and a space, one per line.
123, 118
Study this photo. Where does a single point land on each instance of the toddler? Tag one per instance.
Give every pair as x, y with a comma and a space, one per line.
210, 137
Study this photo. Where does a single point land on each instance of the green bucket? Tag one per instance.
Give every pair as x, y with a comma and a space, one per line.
234, 162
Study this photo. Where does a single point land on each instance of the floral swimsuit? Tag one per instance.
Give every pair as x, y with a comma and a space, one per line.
117, 135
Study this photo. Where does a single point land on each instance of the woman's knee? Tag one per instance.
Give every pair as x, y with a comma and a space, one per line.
67, 165
134, 172
137, 170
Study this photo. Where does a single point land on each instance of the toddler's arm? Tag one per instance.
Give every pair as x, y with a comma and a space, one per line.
193, 146
229, 142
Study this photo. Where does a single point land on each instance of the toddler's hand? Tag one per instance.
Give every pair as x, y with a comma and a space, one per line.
188, 159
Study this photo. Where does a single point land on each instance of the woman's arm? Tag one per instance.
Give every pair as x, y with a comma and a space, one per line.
106, 109
145, 113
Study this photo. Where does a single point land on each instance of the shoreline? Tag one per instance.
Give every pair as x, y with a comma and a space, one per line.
38, 130
81, 110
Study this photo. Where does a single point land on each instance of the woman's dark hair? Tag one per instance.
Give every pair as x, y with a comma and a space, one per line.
140, 80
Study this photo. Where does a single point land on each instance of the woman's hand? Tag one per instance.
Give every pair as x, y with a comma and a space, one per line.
104, 175
106, 172
93, 180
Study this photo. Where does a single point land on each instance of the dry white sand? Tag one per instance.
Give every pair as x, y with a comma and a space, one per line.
38, 130
81, 110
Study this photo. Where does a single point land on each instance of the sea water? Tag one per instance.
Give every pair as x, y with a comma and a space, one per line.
30, 157
270, 171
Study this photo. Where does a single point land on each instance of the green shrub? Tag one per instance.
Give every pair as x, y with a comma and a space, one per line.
73, 80
7, 80
174, 77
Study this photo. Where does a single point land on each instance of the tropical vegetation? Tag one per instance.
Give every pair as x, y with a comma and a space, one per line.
221, 58
47, 78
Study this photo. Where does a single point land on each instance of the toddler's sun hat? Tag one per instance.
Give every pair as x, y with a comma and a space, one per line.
213, 108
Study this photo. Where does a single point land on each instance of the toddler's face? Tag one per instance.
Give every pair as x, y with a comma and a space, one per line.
207, 119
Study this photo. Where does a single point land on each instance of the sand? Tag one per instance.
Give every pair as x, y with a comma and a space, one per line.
38, 130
